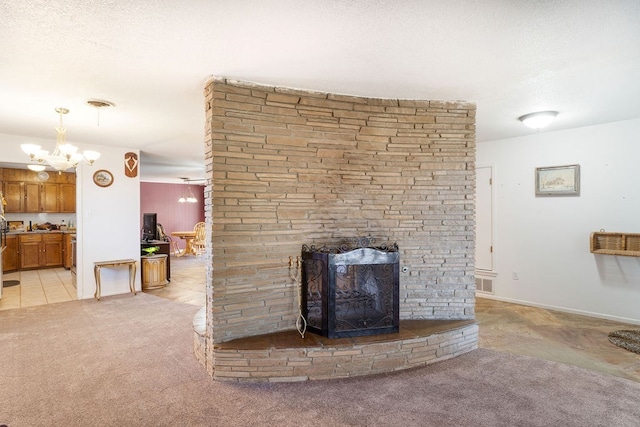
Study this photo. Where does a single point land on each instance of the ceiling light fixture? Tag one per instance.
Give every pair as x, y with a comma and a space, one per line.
64, 156
190, 198
99, 104
538, 120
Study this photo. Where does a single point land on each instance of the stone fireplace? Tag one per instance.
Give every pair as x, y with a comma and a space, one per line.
289, 167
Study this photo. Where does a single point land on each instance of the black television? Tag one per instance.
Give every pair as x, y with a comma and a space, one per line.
149, 226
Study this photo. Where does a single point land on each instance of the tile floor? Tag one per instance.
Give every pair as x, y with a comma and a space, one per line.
53, 285
528, 331
37, 287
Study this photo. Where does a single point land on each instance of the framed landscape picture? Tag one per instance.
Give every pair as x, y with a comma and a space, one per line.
103, 178
558, 181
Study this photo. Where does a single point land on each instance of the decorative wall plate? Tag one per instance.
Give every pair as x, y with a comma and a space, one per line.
43, 176
131, 164
103, 178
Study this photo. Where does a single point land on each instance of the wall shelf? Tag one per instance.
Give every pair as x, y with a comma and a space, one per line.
606, 243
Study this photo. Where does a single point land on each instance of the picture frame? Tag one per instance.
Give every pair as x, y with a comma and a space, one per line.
558, 181
103, 178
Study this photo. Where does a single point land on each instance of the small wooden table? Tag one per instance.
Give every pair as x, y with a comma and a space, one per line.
131, 263
188, 236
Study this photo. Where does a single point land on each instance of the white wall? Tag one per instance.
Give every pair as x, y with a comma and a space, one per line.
108, 219
545, 240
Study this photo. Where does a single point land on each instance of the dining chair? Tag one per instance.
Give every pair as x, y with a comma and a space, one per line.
162, 235
199, 244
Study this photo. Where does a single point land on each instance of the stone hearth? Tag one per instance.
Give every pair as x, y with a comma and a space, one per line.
285, 356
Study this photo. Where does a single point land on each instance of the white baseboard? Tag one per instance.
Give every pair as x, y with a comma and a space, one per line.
563, 309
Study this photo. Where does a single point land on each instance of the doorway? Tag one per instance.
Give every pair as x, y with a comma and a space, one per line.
484, 219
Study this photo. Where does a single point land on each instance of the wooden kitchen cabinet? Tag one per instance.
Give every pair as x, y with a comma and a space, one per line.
30, 250
14, 195
52, 246
49, 197
66, 250
41, 197
40, 250
10, 259
26, 193
31, 197
67, 197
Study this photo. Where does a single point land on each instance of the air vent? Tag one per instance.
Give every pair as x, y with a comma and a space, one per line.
484, 285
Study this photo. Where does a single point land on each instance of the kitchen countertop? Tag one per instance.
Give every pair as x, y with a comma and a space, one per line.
68, 231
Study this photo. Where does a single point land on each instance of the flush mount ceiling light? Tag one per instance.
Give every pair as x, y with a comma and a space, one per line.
538, 120
64, 156
190, 198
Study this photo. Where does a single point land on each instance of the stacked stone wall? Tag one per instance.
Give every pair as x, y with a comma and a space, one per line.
290, 167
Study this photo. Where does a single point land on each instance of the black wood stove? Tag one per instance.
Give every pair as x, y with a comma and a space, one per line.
351, 291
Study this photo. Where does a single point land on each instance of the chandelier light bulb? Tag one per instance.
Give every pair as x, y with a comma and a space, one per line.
68, 150
41, 155
91, 156
30, 149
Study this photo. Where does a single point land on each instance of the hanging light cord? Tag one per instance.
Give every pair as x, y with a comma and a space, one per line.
294, 273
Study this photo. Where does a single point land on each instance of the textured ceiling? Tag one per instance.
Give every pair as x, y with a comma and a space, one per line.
151, 58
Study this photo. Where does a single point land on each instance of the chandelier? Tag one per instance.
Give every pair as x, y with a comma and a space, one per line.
64, 156
190, 198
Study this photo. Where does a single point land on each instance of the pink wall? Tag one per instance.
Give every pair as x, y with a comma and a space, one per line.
173, 215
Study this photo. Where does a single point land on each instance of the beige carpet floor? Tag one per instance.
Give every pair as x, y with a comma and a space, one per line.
127, 361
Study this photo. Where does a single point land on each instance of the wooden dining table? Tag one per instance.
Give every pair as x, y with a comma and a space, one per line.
188, 237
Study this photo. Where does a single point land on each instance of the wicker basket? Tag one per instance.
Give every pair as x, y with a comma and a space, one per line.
606, 243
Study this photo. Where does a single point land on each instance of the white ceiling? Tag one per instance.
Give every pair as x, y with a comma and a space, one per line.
152, 57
